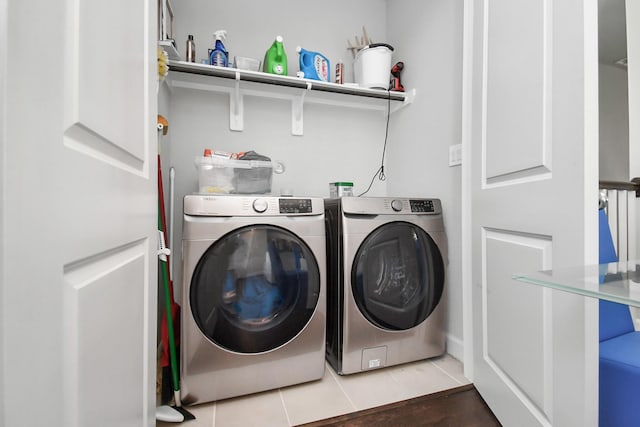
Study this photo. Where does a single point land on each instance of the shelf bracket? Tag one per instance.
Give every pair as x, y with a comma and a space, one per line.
407, 101
297, 107
236, 106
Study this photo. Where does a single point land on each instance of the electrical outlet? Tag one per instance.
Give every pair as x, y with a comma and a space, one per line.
455, 155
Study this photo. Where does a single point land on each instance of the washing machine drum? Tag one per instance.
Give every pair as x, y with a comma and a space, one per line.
255, 289
397, 276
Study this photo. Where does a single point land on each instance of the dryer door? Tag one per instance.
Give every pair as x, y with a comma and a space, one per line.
255, 289
397, 276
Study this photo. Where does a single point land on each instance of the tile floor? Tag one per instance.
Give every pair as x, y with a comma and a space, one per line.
330, 396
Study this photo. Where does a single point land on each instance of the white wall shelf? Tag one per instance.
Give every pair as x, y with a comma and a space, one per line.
241, 83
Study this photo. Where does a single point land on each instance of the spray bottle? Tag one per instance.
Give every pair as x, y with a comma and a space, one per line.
275, 60
219, 55
314, 65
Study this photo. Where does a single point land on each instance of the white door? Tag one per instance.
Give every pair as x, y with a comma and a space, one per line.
78, 208
532, 123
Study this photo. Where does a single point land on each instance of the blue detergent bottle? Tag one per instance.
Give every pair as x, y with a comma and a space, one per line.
219, 55
314, 65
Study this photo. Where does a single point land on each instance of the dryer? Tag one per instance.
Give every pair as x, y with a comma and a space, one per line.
385, 280
253, 295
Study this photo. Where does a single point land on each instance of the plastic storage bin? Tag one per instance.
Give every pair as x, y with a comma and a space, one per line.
226, 176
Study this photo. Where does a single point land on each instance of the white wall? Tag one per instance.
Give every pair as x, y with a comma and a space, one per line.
339, 143
428, 36
614, 123
253, 25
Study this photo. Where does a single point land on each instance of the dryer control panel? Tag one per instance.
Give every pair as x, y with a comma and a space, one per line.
421, 205
390, 206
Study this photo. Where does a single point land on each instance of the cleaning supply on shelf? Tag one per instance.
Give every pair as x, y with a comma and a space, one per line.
191, 49
340, 72
219, 55
275, 59
314, 65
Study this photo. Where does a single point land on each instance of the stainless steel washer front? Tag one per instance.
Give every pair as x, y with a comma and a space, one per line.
253, 315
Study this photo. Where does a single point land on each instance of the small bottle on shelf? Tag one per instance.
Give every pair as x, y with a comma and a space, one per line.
191, 49
340, 72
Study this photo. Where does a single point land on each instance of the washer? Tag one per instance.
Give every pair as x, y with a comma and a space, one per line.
385, 279
254, 298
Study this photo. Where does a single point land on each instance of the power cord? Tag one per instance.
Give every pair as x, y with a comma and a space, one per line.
380, 172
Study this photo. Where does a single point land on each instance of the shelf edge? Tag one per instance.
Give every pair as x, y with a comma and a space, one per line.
285, 81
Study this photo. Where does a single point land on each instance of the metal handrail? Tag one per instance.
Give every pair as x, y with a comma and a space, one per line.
633, 185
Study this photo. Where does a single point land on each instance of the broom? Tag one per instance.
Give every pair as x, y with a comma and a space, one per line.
172, 311
174, 413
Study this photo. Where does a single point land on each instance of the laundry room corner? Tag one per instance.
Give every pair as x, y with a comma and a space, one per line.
429, 42
391, 145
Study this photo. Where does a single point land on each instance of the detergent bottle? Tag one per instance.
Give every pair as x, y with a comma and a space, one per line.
219, 55
314, 65
275, 60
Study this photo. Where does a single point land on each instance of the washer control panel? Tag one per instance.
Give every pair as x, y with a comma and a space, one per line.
297, 206
236, 205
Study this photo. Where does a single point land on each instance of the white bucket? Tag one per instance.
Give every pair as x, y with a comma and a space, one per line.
372, 67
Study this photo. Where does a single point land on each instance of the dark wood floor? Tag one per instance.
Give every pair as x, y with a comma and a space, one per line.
459, 407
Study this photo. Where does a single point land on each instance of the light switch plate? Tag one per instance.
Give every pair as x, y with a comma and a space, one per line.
455, 155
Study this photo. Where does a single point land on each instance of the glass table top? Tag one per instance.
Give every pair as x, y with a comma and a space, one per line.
617, 282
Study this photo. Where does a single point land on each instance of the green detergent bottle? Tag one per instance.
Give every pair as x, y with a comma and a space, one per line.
275, 60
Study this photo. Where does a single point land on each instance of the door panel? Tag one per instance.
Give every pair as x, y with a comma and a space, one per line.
533, 182
517, 80
102, 68
102, 306
518, 355
80, 280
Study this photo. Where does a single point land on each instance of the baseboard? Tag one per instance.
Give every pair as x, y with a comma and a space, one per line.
455, 347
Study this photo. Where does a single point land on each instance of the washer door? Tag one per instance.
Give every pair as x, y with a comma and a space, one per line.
397, 276
255, 289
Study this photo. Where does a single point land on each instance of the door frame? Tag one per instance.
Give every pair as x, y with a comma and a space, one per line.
3, 101
467, 79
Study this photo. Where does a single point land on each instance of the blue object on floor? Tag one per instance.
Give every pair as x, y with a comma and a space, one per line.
607, 252
619, 373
